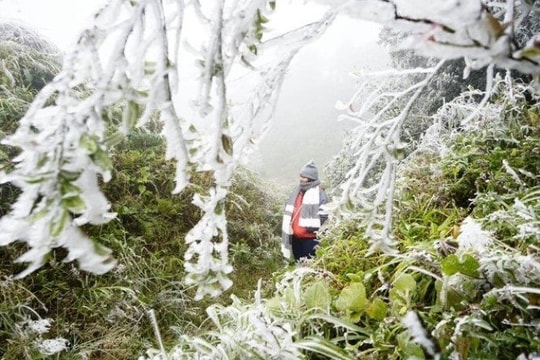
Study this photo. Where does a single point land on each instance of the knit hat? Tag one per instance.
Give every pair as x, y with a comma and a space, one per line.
310, 171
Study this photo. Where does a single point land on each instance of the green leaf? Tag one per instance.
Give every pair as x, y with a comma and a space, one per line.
405, 283
272, 5
410, 349
320, 345
58, 224
74, 204
253, 49
69, 175
35, 180
67, 188
131, 114
102, 250
42, 160
227, 143
114, 139
356, 277
89, 143
352, 298
261, 19
377, 310
102, 159
142, 189
149, 67
317, 295
464, 264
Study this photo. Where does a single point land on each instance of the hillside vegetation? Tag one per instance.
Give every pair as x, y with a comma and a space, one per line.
464, 283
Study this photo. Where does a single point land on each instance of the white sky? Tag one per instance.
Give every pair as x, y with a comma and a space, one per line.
59, 21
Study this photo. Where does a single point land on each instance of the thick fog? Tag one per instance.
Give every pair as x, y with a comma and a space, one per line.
305, 123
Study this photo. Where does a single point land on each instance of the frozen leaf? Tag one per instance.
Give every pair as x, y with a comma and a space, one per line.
227, 144
317, 295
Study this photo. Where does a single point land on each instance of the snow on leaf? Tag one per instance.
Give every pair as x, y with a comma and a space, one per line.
473, 237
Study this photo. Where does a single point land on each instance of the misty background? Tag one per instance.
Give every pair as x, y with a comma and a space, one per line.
305, 125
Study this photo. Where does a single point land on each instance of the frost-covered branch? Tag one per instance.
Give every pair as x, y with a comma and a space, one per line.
64, 144
368, 188
482, 32
238, 94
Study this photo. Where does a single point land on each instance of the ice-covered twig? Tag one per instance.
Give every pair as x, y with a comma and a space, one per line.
368, 188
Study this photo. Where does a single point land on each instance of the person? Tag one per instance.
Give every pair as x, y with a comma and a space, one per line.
303, 215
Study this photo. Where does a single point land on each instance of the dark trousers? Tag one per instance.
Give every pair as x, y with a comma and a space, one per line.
303, 247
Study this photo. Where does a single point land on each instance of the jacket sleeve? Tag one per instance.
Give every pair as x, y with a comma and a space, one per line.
323, 212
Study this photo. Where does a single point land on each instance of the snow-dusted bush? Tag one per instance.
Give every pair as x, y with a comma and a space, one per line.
289, 325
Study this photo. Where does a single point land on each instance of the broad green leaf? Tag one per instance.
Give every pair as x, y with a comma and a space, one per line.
317, 295
464, 264
67, 188
356, 277
102, 159
400, 293
377, 309
142, 189
405, 283
410, 349
352, 298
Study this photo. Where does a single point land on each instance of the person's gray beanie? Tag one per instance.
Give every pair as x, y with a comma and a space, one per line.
310, 171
